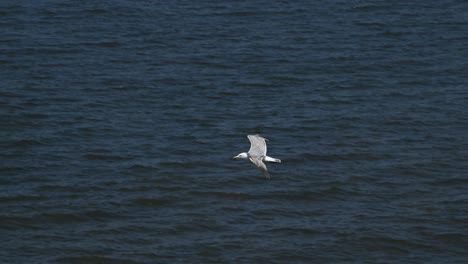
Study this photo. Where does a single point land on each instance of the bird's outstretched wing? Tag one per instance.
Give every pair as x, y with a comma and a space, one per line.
258, 146
259, 163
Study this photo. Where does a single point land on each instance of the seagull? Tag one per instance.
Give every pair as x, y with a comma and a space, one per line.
257, 153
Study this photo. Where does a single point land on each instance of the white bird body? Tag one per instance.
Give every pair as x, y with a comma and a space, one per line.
257, 153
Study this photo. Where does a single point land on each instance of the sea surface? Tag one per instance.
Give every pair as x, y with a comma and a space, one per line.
119, 120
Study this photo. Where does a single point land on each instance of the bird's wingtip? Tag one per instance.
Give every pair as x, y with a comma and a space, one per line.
258, 135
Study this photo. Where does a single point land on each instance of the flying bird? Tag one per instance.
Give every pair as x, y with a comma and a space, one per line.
257, 153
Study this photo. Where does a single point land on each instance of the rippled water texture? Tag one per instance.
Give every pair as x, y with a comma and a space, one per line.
119, 120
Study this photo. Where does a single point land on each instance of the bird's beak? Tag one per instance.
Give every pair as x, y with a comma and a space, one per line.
235, 157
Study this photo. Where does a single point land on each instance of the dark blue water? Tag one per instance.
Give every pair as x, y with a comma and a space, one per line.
119, 120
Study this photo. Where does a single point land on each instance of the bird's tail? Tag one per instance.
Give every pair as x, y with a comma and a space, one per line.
270, 159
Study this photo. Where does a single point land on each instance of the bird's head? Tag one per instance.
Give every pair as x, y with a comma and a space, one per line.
242, 155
